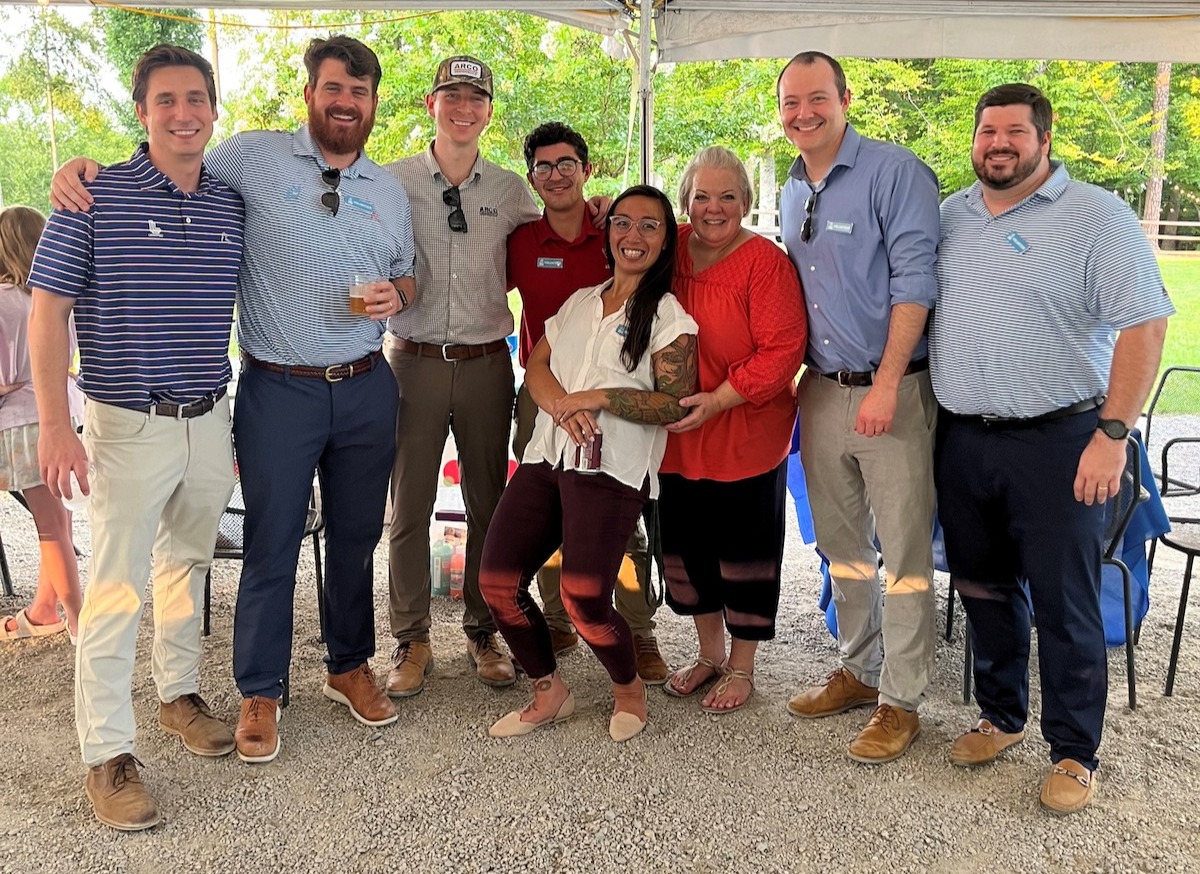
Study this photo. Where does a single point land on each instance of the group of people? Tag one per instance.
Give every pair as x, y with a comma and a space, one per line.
660, 364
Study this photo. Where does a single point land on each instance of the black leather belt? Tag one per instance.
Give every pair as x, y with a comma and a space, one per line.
332, 373
1084, 406
450, 351
190, 410
857, 379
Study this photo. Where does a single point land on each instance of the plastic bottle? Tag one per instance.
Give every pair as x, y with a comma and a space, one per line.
458, 567
439, 567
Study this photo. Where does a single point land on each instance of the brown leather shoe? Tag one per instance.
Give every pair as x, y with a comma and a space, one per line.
202, 733
840, 691
358, 690
563, 641
1068, 789
887, 736
257, 734
492, 666
118, 797
411, 664
982, 744
650, 665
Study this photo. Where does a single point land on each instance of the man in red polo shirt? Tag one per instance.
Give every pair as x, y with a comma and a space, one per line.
548, 260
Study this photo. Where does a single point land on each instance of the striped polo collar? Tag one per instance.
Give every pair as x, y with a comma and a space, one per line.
1051, 190
435, 171
148, 177
304, 146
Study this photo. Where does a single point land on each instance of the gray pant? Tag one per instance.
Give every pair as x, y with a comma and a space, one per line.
862, 487
633, 580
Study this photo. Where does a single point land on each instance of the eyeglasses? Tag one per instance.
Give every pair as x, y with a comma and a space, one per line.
452, 197
330, 199
807, 229
564, 166
623, 224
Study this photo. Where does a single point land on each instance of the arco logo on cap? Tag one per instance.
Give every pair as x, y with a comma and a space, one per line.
467, 69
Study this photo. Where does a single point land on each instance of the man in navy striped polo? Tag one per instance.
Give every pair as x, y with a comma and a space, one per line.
150, 274
1046, 338
315, 394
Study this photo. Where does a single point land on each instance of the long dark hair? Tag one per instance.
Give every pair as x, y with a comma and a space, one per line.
642, 306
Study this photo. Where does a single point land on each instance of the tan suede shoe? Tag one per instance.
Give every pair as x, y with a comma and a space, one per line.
651, 666
358, 690
839, 692
1068, 788
563, 641
202, 733
491, 666
411, 664
257, 734
887, 736
118, 797
982, 744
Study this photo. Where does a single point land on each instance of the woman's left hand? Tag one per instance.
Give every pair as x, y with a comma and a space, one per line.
703, 406
570, 404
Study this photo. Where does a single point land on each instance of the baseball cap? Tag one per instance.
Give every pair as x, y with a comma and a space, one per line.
466, 70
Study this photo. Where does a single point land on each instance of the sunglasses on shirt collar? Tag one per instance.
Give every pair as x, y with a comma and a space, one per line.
330, 199
457, 220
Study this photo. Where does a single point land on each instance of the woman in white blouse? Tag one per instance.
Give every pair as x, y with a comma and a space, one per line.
609, 373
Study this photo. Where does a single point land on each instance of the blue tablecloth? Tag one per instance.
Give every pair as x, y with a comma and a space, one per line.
1148, 522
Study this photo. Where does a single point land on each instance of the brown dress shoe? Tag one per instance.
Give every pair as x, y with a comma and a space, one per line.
982, 744
411, 664
202, 733
358, 690
492, 666
118, 797
650, 665
887, 736
257, 734
1068, 789
563, 641
840, 691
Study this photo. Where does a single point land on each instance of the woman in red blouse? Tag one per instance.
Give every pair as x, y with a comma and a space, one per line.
723, 480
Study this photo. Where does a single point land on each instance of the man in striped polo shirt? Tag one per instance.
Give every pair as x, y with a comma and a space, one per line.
1046, 338
320, 217
150, 274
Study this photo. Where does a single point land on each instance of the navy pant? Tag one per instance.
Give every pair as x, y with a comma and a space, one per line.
284, 428
1006, 503
591, 516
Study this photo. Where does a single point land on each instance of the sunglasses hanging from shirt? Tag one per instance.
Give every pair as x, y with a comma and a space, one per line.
452, 197
807, 229
330, 199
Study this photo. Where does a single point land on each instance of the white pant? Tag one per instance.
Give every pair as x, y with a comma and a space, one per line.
158, 489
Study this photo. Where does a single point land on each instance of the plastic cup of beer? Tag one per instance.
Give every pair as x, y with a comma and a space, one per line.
359, 288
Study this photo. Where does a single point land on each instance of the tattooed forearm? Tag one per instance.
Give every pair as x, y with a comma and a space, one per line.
674, 378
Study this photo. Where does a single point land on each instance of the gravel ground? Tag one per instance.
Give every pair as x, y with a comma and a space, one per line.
755, 791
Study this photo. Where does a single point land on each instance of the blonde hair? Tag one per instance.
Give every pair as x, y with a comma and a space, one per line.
716, 158
20, 229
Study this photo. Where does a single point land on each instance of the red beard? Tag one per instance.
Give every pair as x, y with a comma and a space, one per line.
336, 139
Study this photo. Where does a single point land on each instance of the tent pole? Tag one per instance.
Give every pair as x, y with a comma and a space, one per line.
645, 92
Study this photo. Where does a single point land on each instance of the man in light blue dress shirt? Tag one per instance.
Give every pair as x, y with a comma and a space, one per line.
860, 222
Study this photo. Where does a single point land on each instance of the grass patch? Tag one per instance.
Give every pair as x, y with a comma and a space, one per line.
1181, 275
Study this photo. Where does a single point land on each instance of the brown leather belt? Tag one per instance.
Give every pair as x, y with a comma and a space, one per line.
332, 373
189, 410
857, 379
450, 351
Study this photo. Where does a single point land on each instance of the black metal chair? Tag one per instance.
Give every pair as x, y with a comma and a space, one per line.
1118, 513
1178, 392
1183, 537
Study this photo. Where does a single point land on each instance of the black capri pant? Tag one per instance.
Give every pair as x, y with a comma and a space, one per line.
723, 548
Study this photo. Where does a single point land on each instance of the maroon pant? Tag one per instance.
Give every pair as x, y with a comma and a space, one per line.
591, 516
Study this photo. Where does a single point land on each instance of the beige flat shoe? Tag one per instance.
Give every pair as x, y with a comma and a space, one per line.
625, 725
512, 725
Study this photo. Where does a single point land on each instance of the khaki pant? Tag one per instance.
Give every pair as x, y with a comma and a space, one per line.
633, 580
158, 488
861, 488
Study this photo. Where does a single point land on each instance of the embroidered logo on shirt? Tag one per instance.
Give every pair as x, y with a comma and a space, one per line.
839, 227
224, 237
155, 230
489, 211
550, 263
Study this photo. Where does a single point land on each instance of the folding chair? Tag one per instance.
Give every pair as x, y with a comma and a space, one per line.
1184, 537
1177, 395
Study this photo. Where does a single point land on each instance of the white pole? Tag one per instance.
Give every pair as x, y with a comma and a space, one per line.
644, 90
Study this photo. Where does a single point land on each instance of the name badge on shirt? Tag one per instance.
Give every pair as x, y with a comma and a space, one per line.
1017, 242
622, 329
550, 263
839, 227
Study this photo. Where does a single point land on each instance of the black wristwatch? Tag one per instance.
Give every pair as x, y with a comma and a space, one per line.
1113, 428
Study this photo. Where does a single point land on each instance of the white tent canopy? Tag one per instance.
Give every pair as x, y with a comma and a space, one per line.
692, 30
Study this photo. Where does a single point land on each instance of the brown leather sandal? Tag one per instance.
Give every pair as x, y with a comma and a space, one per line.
685, 674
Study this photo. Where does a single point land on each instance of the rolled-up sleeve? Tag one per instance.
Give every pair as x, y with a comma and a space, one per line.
908, 211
